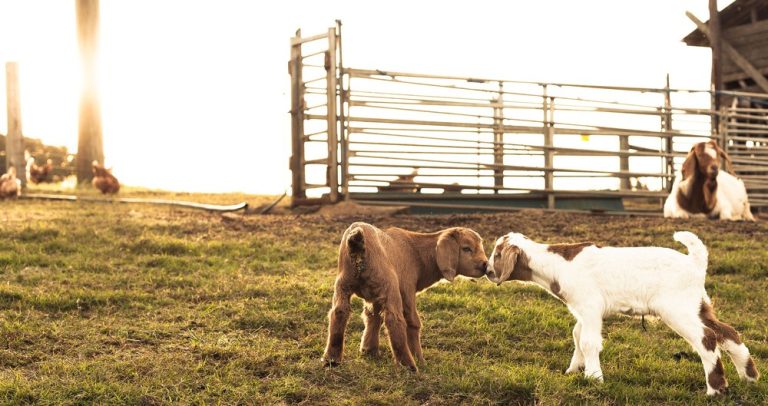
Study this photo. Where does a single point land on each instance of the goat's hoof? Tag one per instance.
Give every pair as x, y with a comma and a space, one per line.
370, 352
573, 370
595, 376
716, 392
330, 362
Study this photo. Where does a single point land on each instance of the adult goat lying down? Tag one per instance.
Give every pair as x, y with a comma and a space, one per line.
596, 281
704, 187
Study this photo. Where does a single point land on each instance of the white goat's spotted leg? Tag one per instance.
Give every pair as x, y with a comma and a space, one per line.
591, 343
577, 361
704, 341
743, 362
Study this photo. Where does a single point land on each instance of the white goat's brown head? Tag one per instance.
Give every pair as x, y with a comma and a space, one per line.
460, 252
508, 261
706, 158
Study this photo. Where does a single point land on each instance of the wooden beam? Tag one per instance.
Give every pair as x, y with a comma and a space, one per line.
715, 42
737, 58
14, 142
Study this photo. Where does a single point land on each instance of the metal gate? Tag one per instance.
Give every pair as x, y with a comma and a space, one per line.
463, 142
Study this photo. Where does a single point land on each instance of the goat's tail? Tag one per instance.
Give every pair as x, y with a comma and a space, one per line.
355, 241
696, 249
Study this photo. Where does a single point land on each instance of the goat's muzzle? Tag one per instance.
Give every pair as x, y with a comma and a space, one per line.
712, 171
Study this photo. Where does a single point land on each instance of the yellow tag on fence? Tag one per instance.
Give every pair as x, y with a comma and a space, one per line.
585, 137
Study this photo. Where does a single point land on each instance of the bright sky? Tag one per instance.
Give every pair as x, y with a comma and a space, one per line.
195, 93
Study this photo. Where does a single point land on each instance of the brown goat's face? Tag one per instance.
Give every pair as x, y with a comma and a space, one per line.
704, 157
460, 252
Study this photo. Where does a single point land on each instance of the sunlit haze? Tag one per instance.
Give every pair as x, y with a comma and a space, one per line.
195, 94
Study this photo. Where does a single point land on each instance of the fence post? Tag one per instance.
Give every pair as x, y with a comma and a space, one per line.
498, 139
624, 163
549, 175
343, 133
14, 142
723, 128
332, 120
297, 122
668, 142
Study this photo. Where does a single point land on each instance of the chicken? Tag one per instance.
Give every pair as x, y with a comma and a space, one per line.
10, 185
39, 174
104, 180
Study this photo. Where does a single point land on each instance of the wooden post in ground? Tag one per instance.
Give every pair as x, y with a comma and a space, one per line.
333, 141
89, 142
498, 138
297, 122
624, 183
14, 141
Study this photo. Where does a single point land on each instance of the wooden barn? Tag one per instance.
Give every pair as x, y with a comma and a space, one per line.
738, 36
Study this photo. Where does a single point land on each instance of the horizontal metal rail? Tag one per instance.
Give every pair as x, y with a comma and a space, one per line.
608, 131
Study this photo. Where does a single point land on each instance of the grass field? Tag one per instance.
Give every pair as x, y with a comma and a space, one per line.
137, 304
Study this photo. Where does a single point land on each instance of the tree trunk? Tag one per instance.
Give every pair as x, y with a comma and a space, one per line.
89, 143
14, 142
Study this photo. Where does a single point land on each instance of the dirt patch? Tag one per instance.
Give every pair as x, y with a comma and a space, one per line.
547, 227
354, 209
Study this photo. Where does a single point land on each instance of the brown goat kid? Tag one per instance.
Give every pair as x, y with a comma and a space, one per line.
104, 180
386, 268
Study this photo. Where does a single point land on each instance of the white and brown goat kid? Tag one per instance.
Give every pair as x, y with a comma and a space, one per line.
595, 281
704, 187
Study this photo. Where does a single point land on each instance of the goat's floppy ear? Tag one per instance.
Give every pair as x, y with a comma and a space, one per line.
727, 164
690, 164
448, 254
509, 256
